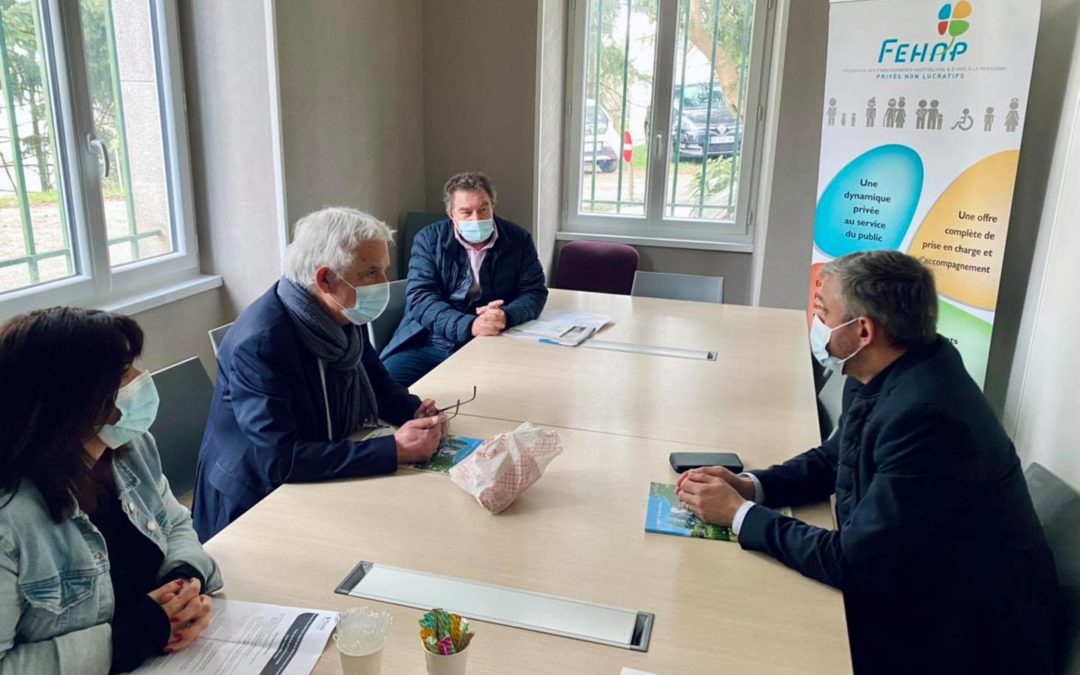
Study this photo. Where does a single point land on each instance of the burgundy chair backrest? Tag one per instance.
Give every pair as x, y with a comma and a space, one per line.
596, 266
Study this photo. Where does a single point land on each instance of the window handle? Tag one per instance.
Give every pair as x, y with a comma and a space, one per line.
97, 145
659, 144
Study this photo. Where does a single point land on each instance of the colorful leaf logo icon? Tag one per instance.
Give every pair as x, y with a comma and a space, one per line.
953, 19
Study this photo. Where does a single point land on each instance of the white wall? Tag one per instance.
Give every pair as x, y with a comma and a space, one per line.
352, 115
1058, 30
1041, 409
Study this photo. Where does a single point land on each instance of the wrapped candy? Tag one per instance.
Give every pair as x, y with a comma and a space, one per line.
444, 633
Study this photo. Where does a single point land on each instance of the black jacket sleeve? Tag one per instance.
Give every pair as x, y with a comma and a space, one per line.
914, 498
531, 292
139, 631
806, 479
185, 572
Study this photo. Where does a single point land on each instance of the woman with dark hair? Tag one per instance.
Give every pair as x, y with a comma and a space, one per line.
100, 568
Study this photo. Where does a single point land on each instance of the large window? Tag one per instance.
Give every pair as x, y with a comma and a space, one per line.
665, 99
95, 198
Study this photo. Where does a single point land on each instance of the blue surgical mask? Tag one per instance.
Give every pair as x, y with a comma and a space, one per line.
476, 231
820, 334
371, 301
137, 402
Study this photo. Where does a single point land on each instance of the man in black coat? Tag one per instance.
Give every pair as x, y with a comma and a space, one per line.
939, 554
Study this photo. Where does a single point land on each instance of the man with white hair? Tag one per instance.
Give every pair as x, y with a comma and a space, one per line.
297, 377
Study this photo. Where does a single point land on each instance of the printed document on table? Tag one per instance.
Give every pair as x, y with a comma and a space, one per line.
248, 637
563, 326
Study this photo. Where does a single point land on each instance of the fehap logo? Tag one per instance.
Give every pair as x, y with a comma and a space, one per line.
953, 20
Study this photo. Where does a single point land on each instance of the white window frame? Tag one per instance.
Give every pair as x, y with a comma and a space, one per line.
653, 229
141, 284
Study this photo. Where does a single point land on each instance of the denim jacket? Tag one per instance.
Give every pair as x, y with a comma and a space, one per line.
56, 597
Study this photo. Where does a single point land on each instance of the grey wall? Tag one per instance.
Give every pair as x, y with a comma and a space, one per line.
789, 230
228, 106
550, 117
788, 236
456, 89
178, 330
359, 144
352, 112
479, 83
229, 115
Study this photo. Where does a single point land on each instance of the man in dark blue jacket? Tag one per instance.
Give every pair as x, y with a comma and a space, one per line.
297, 379
942, 561
473, 274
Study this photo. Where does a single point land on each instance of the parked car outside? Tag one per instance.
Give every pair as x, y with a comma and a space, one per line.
690, 139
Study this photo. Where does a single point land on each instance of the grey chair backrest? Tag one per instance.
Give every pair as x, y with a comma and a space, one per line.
414, 222
185, 391
217, 335
1058, 507
831, 403
678, 286
382, 329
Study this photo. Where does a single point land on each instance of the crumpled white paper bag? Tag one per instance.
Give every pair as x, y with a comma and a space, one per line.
501, 469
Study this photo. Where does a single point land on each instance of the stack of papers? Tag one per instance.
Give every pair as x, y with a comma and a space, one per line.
247, 638
560, 326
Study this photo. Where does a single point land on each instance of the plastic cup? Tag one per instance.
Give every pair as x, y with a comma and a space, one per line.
452, 664
360, 664
359, 639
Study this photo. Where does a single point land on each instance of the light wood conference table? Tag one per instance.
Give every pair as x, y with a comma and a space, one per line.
579, 532
756, 399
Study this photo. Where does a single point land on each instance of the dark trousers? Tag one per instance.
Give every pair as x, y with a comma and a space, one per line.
410, 364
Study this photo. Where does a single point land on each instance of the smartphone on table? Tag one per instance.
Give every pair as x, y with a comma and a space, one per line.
684, 461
